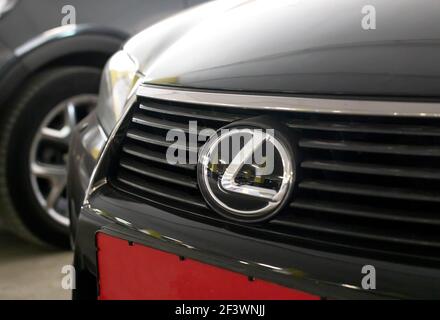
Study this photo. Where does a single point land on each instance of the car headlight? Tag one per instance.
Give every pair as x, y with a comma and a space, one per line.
6, 5
118, 82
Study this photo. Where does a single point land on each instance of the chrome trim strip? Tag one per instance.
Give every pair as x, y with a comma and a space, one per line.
294, 104
47, 36
64, 32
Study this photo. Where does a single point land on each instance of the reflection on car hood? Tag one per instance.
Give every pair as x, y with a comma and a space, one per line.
311, 47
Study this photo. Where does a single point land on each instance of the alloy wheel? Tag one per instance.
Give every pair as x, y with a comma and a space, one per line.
49, 151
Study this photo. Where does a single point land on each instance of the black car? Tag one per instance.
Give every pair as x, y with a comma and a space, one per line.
350, 109
51, 57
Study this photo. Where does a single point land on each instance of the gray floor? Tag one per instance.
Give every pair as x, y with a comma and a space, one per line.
29, 271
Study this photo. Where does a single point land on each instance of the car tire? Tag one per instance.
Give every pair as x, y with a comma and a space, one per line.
21, 208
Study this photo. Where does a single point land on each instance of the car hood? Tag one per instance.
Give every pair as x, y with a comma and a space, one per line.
303, 47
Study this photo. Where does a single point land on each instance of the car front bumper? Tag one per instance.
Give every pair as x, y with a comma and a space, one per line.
250, 254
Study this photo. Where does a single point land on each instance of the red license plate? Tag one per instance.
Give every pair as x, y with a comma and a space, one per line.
134, 272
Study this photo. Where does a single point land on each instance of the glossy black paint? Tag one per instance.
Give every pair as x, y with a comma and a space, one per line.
302, 47
86, 145
308, 47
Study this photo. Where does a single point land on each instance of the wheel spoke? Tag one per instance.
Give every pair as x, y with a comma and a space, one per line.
59, 136
49, 172
54, 195
70, 116
56, 175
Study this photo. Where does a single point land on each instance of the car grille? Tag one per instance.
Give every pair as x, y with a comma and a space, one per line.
366, 186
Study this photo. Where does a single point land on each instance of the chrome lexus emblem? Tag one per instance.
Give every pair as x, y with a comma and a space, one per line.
246, 173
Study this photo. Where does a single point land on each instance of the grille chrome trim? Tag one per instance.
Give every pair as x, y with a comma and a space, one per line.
295, 104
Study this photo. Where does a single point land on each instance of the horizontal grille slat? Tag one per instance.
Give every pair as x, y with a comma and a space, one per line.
358, 146
149, 138
365, 128
153, 156
370, 212
203, 114
165, 124
159, 190
370, 190
158, 174
357, 232
372, 169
